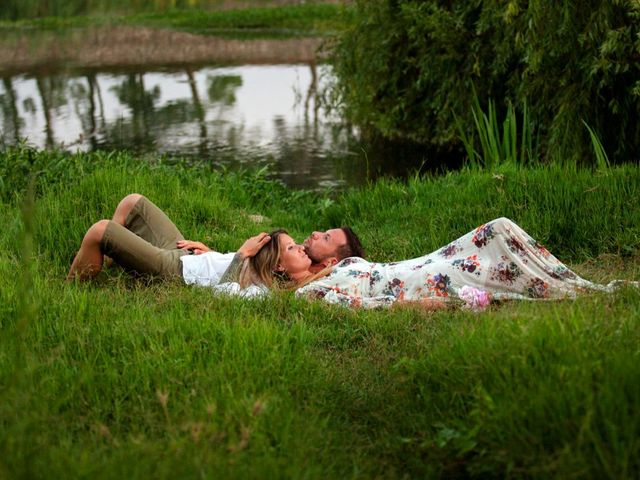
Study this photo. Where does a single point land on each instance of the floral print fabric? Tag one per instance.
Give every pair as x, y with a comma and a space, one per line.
498, 257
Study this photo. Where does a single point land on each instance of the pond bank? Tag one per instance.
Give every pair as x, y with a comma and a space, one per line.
125, 46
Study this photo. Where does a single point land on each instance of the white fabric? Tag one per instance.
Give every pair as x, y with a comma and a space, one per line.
233, 289
497, 257
205, 269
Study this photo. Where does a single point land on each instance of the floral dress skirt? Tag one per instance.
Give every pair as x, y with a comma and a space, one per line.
497, 257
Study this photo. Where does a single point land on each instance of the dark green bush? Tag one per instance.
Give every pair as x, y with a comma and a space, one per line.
406, 67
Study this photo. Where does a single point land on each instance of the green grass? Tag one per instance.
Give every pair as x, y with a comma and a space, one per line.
321, 19
125, 379
258, 22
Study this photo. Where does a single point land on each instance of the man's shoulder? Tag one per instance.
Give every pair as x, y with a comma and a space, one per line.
351, 261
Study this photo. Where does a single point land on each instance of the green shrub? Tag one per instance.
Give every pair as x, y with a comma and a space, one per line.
407, 68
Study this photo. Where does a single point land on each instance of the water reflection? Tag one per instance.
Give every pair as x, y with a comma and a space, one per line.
239, 115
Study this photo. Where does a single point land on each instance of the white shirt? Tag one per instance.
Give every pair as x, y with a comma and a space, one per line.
205, 269
233, 289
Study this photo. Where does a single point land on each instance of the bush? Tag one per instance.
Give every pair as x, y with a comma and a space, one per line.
407, 68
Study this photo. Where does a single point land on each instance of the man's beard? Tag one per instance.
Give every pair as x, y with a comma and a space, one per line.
313, 258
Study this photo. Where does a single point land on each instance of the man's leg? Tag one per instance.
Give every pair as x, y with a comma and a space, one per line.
124, 208
120, 215
88, 261
140, 215
126, 248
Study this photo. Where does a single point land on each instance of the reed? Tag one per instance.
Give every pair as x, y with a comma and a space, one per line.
493, 143
602, 159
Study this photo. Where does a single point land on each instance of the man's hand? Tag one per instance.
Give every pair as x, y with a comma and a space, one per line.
253, 245
197, 247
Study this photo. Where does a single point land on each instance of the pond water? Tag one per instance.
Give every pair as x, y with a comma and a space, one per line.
241, 115
236, 115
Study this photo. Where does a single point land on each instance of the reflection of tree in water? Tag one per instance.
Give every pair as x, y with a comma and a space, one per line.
221, 92
198, 109
222, 88
132, 93
305, 150
150, 125
84, 96
301, 157
312, 93
53, 95
29, 106
147, 124
11, 121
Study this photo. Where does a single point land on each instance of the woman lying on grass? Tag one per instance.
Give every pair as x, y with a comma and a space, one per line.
142, 239
497, 260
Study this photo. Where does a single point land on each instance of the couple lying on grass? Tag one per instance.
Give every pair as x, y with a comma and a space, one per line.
496, 261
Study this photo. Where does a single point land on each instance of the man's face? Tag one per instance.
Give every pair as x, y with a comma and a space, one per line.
323, 246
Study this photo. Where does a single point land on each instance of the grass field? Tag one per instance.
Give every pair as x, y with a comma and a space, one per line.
125, 379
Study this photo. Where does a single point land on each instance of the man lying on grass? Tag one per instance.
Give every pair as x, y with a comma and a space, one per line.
141, 238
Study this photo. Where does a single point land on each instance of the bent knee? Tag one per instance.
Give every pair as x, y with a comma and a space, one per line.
96, 232
132, 198
502, 223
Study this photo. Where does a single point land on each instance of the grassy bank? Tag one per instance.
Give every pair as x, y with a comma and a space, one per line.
254, 22
123, 379
300, 20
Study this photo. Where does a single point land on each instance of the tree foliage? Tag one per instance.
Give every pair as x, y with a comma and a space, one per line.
408, 68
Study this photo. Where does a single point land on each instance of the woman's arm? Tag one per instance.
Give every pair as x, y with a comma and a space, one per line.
334, 296
232, 273
248, 249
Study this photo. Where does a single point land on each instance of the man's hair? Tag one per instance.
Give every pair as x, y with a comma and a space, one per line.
353, 247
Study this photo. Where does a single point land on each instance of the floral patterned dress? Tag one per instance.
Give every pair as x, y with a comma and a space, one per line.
498, 257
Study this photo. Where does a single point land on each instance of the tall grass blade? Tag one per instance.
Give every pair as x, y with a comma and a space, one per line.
467, 142
513, 140
602, 159
525, 138
26, 301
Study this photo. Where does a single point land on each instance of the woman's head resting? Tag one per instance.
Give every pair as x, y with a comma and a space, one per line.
263, 263
281, 259
293, 261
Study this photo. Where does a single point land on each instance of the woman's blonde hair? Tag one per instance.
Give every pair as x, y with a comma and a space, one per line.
261, 269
